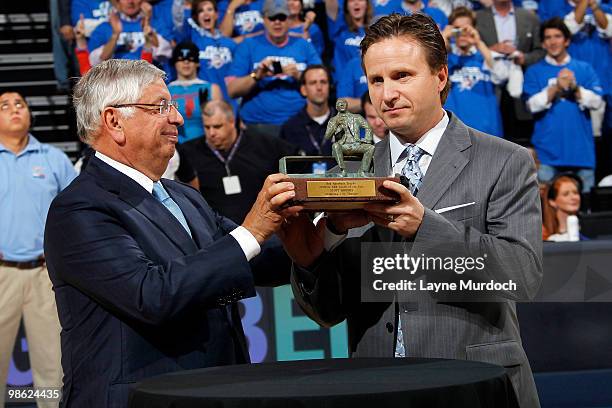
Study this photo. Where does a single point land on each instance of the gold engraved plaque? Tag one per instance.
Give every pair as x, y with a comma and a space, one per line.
341, 188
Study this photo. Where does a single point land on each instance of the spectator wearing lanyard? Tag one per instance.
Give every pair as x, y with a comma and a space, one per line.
232, 166
32, 174
306, 129
190, 91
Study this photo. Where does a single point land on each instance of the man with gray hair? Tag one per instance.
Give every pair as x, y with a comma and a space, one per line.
146, 275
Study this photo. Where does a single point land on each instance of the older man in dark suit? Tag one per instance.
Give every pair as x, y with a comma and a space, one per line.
467, 193
146, 275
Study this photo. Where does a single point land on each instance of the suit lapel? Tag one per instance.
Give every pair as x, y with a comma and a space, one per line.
201, 236
382, 158
383, 168
489, 25
447, 163
159, 215
132, 193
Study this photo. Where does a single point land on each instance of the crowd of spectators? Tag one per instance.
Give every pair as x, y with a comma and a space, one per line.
534, 72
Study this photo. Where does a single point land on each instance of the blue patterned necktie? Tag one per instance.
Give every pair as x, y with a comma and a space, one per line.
160, 193
413, 173
411, 169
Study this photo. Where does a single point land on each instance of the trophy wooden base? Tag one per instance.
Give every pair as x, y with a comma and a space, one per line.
341, 193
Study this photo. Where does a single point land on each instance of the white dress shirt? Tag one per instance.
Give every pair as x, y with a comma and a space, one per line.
505, 26
428, 142
245, 239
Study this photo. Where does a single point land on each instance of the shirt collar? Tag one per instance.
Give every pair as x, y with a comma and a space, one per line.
32, 146
131, 172
187, 82
552, 61
428, 142
495, 13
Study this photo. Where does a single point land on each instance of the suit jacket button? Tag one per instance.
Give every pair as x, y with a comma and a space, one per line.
389, 327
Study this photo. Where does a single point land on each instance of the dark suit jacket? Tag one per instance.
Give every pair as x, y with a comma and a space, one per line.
136, 296
505, 223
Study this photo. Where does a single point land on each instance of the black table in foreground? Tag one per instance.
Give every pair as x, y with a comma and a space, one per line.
375, 382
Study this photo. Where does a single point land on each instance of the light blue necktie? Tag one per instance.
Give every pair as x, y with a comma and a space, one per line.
160, 193
411, 169
413, 173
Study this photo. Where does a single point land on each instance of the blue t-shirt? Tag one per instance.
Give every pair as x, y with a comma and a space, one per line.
548, 9
316, 36
130, 42
162, 19
274, 99
562, 135
334, 27
346, 48
472, 94
187, 94
247, 18
589, 45
352, 82
91, 9
386, 7
30, 181
216, 53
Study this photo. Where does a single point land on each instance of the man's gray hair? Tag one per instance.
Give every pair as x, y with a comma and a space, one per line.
211, 107
111, 82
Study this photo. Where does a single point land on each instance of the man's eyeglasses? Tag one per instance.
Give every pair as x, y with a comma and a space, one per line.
278, 17
163, 107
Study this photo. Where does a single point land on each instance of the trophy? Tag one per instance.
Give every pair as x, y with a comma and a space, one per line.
346, 186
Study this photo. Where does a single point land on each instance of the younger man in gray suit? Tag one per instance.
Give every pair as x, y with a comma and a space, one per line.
463, 186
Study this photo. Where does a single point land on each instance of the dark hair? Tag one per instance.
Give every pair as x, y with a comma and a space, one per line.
369, 15
196, 5
313, 67
419, 27
556, 23
462, 12
365, 98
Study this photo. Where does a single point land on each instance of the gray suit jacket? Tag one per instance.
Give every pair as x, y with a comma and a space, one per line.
527, 32
504, 222
528, 42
